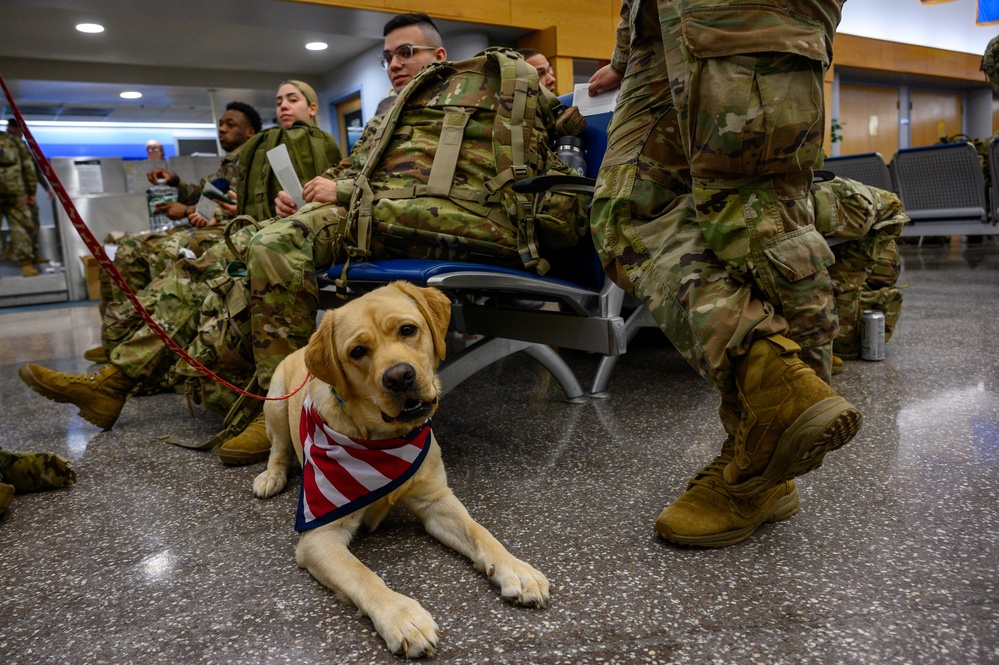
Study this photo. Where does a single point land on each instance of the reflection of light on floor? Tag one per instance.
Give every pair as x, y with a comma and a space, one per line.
958, 423
158, 566
78, 435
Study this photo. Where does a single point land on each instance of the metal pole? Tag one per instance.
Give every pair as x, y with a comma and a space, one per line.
215, 120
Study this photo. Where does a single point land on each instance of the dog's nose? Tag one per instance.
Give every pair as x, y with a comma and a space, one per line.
399, 378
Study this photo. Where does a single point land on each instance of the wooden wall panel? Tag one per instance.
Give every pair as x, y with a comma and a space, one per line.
869, 116
934, 114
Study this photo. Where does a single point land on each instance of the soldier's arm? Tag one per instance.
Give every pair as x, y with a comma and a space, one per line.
28, 168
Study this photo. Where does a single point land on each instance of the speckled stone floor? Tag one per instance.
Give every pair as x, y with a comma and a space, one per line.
159, 554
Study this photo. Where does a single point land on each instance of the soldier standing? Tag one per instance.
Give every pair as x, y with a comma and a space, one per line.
18, 180
702, 210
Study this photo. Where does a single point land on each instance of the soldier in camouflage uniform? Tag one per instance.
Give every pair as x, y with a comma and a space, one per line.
140, 257
14, 128
702, 210
139, 360
31, 472
18, 180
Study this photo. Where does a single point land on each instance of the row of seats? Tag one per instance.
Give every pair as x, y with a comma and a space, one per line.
942, 186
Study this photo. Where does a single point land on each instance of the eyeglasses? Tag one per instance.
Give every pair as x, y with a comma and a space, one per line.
404, 52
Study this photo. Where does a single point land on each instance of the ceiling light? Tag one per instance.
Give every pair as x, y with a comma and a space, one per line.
90, 28
130, 94
317, 46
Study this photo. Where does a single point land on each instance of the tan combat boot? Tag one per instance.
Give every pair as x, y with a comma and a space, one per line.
99, 396
790, 418
248, 447
837, 365
6, 495
708, 515
28, 269
96, 355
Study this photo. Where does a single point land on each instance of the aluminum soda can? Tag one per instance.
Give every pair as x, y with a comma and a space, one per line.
872, 335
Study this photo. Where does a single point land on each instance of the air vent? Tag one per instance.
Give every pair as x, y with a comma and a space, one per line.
84, 112
28, 110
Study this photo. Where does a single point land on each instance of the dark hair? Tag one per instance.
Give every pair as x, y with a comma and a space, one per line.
528, 52
430, 30
250, 113
12, 122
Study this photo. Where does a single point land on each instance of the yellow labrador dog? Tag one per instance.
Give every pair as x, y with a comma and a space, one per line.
360, 428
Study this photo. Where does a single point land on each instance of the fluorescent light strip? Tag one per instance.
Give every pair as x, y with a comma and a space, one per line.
121, 125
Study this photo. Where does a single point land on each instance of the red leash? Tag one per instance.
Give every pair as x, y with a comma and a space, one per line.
97, 250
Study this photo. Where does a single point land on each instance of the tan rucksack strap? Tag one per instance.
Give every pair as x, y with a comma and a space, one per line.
448, 150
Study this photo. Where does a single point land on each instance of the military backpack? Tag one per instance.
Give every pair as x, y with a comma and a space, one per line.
312, 152
437, 180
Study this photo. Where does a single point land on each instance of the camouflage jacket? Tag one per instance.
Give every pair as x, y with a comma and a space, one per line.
348, 168
18, 178
229, 169
719, 28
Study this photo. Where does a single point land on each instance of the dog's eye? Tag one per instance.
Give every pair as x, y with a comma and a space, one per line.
358, 352
407, 330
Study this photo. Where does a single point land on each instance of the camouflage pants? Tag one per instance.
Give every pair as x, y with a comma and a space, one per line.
141, 257
23, 231
281, 262
174, 300
702, 207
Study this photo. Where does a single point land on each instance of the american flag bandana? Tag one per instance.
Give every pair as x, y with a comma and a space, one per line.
341, 474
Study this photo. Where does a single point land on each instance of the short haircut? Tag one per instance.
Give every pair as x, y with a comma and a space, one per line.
528, 52
426, 25
250, 113
12, 122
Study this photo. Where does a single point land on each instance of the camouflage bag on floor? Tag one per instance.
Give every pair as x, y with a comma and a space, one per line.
867, 220
437, 181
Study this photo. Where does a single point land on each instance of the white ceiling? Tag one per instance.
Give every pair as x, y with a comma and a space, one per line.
174, 51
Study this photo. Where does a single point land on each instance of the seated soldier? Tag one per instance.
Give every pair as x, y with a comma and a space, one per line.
538, 60
142, 256
282, 257
137, 357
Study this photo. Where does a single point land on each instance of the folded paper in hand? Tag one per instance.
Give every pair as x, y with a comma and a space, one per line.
284, 170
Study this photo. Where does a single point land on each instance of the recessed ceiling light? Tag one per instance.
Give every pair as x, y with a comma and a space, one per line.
130, 94
317, 46
90, 27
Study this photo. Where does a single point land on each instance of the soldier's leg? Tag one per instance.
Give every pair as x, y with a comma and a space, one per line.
751, 125
281, 263
22, 230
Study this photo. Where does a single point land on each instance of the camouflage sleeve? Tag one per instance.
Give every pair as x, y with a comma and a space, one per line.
345, 172
28, 168
622, 49
189, 193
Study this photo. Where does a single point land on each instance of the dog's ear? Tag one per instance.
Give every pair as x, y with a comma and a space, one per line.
321, 358
436, 309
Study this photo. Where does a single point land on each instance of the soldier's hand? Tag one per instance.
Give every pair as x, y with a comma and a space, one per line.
172, 209
169, 177
319, 189
285, 205
229, 209
198, 220
605, 78
31, 200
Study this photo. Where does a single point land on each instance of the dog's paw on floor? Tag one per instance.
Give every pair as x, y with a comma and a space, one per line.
406, 627
269, 483
521, 583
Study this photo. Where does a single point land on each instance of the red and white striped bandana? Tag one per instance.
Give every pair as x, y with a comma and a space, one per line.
341, 474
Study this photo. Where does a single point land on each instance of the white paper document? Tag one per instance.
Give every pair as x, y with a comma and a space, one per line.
281, 163
206, 207
602, 103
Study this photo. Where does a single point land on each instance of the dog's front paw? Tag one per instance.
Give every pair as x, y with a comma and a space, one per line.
520, 583
269, 483
406, 627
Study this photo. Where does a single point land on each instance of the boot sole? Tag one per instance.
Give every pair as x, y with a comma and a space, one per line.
242, 457
103, 420
821, 428
783, 508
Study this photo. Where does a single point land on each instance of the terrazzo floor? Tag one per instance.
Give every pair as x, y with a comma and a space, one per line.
159, 554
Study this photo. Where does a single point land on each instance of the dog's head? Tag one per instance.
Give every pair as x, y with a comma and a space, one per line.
380, 352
